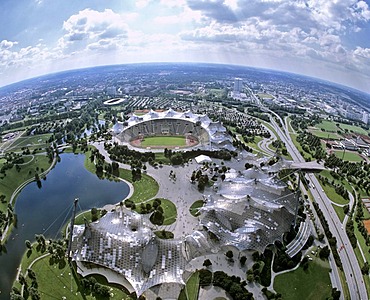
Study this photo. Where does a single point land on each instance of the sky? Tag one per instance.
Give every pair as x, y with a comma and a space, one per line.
327, 39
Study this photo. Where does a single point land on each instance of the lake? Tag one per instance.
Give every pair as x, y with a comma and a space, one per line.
45, 210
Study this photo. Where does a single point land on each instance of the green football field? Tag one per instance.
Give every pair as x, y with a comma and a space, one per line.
165, 141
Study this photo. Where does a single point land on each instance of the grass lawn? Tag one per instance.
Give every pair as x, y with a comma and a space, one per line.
144, 189
366, 212
332, 194
362, 243
352, 128
159, 156
298, 146
13, 179
265, 96
81, 216
348, 156
363, 194
191, 290
332, 127
343, 181
195, 206
269, 126
254, 144
165, 235
172, 141
169, 210
32, 141
327, 126
339, 211
365, 249
311, 284
366, 278
217, 92
55, 281
326, 135
290, 128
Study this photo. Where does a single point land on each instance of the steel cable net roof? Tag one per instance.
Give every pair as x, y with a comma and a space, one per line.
213, 134
249, 211
122, 242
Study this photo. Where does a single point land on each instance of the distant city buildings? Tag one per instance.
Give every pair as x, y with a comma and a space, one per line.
111, 91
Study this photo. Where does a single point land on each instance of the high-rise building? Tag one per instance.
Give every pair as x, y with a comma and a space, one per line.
365, 117
238, 85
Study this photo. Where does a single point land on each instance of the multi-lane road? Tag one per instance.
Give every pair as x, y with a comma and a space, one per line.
351, 268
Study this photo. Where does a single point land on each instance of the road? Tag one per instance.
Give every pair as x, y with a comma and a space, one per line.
351, 268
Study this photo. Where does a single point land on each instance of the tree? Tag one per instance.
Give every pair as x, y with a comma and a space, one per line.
256, 266
94, 214
207, 263
177, 159
324, 252
157, 217
229, 254
205, 277
256, 256
242, 260
28, 244
335, 294
365, 269
250, 277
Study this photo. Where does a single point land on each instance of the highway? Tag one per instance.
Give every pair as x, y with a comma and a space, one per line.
351, 268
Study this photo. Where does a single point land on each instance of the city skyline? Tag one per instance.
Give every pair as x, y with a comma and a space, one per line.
314, 38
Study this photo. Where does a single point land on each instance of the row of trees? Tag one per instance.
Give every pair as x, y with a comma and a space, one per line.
332, 240
311, 144
156, 210
30, 287
301, 124
231, 284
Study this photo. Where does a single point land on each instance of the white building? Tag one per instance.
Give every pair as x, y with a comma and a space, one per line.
238, 85
365, 117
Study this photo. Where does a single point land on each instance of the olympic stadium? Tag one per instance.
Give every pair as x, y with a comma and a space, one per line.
199, 131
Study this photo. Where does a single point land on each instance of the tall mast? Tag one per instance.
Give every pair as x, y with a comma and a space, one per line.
298, 193
71, 229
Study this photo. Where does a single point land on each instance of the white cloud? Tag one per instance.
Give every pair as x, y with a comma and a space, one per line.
5, 44
233, 4
304, 36
361, 11
140, 4
173, 3
362, 53
90, 29
185, 16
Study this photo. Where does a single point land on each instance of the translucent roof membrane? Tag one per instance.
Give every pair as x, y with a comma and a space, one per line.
250, 210
123, 243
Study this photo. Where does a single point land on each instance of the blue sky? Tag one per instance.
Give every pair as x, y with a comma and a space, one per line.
319, 38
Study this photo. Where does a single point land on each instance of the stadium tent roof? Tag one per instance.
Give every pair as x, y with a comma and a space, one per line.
123, 242
203, 158
217, 133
